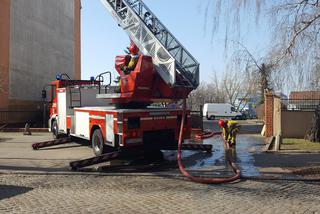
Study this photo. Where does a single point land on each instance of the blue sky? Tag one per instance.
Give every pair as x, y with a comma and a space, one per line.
102, 39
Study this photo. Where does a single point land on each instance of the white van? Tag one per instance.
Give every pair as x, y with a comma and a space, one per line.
218, 110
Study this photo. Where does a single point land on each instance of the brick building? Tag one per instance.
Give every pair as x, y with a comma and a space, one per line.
312, 95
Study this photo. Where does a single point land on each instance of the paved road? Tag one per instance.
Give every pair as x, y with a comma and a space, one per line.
152, 194
247, 126
155, 191
16, 153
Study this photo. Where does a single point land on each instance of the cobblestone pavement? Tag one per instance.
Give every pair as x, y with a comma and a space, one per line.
151, 193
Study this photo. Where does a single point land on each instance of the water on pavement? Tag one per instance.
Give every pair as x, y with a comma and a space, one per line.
247, 146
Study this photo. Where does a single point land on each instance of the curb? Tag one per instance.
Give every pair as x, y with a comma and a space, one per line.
144, 174
174, 175
22, 130
293, 152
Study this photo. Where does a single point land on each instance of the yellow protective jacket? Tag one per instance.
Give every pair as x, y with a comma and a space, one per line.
230, 133
131, 65
133, 62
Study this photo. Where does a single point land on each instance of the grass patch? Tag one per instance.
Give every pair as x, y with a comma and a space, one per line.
299, 144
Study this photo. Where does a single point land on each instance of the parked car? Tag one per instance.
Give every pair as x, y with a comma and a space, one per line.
249, 114
221, 110
292, 107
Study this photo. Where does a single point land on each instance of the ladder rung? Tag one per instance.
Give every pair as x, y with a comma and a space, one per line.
171, 49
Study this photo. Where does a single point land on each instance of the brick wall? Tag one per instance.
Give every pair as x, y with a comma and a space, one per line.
269, 114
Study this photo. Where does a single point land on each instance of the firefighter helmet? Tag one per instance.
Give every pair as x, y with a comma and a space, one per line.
221, 123
133, 49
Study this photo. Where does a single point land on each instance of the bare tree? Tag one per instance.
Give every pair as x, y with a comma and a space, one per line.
295, 25
295, 47
258, 74
314, 78
233, 87
313, 134
230, 11
205, 93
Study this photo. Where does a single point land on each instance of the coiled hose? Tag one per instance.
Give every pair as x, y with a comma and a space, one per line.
199, 179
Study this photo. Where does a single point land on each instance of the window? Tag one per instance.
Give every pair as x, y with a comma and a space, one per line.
53, 93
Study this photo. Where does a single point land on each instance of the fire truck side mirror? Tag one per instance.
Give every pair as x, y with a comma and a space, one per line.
44, 94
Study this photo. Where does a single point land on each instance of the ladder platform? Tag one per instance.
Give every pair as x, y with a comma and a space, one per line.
176, 66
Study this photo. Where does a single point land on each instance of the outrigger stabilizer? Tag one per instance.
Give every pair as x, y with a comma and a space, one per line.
50, 143
76, 165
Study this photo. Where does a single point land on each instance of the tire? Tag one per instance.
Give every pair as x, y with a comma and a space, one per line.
55, 130
238, 118
97, 143
212, 117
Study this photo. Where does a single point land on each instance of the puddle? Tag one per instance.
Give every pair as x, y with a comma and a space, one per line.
213, 164
247, 146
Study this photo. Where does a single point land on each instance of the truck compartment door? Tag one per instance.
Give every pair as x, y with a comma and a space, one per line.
109, 129
82, 124
62, 111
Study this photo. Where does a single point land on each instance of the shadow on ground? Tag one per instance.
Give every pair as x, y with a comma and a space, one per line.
4, 139
8, 191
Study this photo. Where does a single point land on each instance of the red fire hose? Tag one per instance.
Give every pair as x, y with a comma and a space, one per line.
206, 134
198, 179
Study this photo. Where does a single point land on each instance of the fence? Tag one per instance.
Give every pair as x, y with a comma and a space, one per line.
300, 104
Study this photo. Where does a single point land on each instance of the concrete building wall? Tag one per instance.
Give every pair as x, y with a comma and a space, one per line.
4, 51
41, 45
38, 39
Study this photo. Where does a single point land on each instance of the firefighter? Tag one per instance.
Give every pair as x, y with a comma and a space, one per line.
134, 54
230, 130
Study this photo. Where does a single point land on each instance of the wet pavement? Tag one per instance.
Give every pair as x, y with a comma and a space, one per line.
30, 181
208, 164
247, 147
17, 156
247, 126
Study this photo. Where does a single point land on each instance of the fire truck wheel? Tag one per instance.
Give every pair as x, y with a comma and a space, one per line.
98, 143
55, 129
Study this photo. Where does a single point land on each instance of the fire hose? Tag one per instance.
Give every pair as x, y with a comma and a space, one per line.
198, 179
206, 134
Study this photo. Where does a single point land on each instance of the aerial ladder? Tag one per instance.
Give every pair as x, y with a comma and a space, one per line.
174, 64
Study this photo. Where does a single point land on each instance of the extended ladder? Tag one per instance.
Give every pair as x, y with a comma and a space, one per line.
173, 62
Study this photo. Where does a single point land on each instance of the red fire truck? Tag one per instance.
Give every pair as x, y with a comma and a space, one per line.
126, 118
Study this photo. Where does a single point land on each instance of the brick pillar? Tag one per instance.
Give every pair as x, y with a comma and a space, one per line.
268, 120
